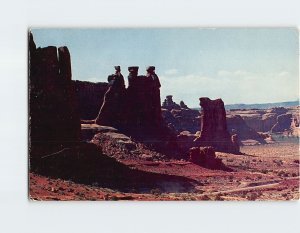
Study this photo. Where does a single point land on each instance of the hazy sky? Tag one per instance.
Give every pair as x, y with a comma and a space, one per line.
251, 65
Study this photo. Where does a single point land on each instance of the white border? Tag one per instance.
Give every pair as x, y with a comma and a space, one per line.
17, 214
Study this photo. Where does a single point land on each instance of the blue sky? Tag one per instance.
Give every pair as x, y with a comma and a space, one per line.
239, 65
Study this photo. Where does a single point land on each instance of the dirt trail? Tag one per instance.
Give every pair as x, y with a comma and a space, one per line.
250, 186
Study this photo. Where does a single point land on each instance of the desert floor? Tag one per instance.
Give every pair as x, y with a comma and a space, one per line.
263, 172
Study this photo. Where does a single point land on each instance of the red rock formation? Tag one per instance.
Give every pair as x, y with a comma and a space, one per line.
261, 120
87, 164
205, 157
236, 125
64, 63
179, 117
90, 98
136, 111
136, 108
53, 114
214, 127
111, 111
236, 142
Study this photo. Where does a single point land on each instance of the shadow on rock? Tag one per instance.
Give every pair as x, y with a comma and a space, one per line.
88, 165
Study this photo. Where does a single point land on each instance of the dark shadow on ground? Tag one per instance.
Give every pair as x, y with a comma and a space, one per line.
86, 164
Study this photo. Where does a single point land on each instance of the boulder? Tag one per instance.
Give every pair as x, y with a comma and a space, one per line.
205, 157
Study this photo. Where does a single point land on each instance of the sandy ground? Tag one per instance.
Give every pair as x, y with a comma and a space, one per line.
263, 172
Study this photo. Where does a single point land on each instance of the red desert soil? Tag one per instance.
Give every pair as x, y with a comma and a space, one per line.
264, 172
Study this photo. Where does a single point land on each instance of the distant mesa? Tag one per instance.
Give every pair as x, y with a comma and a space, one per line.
262, 106
283, 123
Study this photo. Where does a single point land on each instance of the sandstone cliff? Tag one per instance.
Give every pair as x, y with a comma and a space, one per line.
263, 120
90, 98
53, 114
236, 125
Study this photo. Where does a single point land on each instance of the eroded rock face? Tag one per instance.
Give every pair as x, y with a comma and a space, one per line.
111, 111
181, 118
262, 120
136, 108
136, 111
283, 123
53, 113
90, 98
236, 125
214, 127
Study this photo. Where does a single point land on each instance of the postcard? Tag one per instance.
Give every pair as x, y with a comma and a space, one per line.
163, 114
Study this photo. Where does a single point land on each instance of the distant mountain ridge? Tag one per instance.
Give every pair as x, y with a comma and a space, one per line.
262, 106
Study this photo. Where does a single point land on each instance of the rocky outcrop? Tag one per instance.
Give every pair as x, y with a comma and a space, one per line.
169, 104
112, 108
205, 157
263, 120
236, 125
142, 107
53, 113
185, 120
136, 108
136, 111
183, 105
90, 98
295, 127
185, 140
214, 127
268, 120
283, 123
87, 164
89, 130
180, 118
